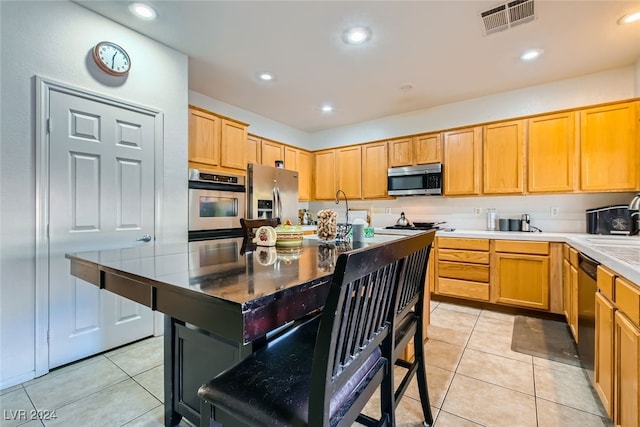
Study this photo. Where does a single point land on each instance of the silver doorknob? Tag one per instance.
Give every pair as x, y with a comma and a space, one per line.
145, 238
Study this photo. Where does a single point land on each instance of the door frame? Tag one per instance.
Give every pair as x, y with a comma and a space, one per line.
43, 88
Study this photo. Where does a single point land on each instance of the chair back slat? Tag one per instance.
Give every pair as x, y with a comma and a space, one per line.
412, 281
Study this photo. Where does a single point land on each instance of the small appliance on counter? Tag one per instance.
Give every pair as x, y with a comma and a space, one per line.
609, 220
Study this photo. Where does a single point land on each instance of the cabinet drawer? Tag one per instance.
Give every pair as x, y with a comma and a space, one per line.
520, 247
459, 243
606, 278
464, 271
573, 257
463, 288
475, 257
627, 298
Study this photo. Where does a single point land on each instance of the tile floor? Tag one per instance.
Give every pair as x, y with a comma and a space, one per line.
474, 380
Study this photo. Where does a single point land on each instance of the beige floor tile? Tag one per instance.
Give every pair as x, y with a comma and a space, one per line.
10, 389
498, 315
459, 308
551, 414
552, 364
133, 346
452, 336
154, 418
438, 381
153, 381
442, 354
496, 344
113, 406
76, 383
63, 370
494, 326
16, 407
567, 388
453, 319
446, 419
433, 305
489, 404
497, 370
140, 358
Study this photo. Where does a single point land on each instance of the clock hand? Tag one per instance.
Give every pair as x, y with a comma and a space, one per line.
113, 60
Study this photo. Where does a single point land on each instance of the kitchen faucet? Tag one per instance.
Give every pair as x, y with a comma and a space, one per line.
346, 202
634, 208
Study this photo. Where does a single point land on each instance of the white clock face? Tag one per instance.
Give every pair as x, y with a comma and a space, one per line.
112, 58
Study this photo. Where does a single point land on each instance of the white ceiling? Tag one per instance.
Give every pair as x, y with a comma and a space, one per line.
438, 46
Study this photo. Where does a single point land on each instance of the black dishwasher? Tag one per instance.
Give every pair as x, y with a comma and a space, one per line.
587, 286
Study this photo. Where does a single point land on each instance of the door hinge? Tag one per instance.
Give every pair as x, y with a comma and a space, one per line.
48, 125
47, 231
48, 336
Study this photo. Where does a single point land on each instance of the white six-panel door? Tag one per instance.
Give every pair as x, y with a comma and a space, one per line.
101, 196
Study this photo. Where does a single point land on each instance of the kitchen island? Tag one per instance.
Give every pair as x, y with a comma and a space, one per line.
221, 300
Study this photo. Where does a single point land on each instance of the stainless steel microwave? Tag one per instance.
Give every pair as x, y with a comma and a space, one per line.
415, 180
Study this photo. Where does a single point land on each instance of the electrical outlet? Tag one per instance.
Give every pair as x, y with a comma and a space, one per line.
387, 210
477, 211
555, 211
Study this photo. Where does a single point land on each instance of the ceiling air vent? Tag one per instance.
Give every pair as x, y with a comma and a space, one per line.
507, 15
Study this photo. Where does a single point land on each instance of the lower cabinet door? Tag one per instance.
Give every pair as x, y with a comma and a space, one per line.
522, 280
627, 370
604, 374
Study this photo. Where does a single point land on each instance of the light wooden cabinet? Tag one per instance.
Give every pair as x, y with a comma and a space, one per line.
417, 150
551, 153
400, 152
305, 170
374, 170
609, 147
325, 175
462, 154
520, 273
270, 151
503, 154
428, 148
291, 158
463, 268
349, 171
570, 289
216, 142
603, 377
204, 138
627, 372
253, 149
233, 145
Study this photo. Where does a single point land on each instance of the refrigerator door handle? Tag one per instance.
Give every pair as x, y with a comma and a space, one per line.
277, 202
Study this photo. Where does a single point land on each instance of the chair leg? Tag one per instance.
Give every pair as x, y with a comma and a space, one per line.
422, 378
387, 401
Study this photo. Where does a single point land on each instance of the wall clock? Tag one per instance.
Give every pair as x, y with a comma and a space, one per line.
111, 58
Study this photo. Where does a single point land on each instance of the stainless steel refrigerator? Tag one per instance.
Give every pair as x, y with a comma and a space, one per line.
272, 193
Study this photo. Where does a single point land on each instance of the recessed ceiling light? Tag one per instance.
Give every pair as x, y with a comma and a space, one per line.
628, 19
531, 54
356, 35
326, 108
143, 11
266, 76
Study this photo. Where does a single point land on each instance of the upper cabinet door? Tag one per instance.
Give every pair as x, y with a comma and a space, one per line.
503, 152
428, 148
349, 171
400, 152
271, 151
325, 168
291, 158
609, 147
233, 145
305, 169
552, 153
253, 149
204, 138
374, 170
461, 162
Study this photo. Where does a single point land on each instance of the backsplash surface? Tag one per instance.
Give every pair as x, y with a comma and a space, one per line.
470, 213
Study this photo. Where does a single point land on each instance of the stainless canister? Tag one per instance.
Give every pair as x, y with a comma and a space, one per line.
525, 223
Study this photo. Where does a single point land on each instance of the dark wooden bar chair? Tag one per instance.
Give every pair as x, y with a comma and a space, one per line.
407, 324
323, 372
249, 226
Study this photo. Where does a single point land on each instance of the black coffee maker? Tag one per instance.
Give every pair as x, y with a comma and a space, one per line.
634, 209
